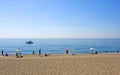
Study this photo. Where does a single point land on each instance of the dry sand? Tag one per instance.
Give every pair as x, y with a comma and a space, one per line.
101, 64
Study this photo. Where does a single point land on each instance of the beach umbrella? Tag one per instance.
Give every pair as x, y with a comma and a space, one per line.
92, 49
18, 50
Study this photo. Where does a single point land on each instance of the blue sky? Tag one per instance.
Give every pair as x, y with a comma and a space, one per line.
59, 18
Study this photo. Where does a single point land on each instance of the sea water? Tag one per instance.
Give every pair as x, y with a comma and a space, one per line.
58, 46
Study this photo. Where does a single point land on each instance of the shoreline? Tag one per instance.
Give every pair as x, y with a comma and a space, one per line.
62, 55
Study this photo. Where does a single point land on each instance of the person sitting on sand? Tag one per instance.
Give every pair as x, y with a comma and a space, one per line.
17, 55
20, 55
96, 52
46, 54
6, 54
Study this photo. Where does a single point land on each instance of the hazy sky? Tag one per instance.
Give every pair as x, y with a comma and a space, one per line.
59, 18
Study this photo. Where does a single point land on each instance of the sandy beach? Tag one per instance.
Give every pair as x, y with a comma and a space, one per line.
64, 64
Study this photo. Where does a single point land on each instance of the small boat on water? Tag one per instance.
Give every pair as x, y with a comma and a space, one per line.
29, 42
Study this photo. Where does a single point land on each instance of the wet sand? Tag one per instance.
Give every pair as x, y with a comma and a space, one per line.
83, 64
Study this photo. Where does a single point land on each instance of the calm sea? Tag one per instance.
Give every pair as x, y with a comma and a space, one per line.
58, 46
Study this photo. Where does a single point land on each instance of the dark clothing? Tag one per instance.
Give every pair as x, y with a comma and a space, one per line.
33, 52
17, 55
67, 52
46, 54
117, 51
39, 52
6, 54
2, 52
96, 52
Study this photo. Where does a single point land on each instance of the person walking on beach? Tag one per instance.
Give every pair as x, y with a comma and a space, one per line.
2, 52
67, 51
117, 51
40, 52
33, 52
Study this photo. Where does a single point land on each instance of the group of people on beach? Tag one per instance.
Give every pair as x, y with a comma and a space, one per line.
39, 51
2, 53
19, 54
106, 51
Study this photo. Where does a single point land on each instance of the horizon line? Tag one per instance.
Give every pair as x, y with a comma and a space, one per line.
59, 38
